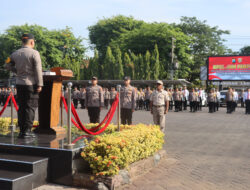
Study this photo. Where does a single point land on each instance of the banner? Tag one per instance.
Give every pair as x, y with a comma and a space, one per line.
231, 68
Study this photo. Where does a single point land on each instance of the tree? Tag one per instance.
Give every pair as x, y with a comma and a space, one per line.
129, 66
118, 73
57, 47
155, 64
147, 66
206, 41
93, 67
108, 29
109, 65
245, 50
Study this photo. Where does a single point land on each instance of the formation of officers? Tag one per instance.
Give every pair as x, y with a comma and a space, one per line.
4, 94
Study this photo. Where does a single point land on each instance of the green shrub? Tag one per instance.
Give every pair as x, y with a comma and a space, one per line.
109, 153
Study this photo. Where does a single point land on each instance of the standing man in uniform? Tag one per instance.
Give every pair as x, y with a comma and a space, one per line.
229, 100
94, 101
27, 65
211, 101
192, 100
246, 99
186, 96
148, 93
113, 93
75, 97
106, 98
82, 97
177, 99
128, 102
159, 103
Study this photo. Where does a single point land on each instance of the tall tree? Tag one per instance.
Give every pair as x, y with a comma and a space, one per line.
118, 72
206, 40
245, 50
147, 66
109, 64
155, 64
56, 47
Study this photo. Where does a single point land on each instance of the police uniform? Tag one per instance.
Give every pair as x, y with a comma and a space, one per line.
177, 100
75, 97
159, 101
27, 65
246, 99
82, 97
106, 98
112, 96
211, 98
229, 100
192, 99
147, 99
128, 103
94, 101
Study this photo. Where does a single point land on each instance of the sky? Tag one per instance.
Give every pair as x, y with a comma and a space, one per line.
232, 15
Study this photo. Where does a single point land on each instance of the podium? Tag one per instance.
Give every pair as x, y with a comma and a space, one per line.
49, 102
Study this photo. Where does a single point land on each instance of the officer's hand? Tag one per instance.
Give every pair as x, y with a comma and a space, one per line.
133, 110
165, 112
39, 89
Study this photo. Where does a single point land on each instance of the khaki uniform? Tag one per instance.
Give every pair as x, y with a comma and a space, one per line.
75, 97
94, 100
147, 98
27, 65
159, 99
211, 99
193, 99
177, 100
112, 96
106, 99
82, 97
128, 103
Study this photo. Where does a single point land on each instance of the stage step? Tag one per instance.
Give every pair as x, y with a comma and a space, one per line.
14, 180
24, 167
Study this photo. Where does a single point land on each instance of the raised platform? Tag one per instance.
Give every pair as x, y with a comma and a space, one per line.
29, 163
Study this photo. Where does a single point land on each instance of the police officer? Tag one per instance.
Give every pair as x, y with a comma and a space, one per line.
229, 100
106, 98
159, 103
185, 93
82, 97
148, 93
113, 93
94, 101
192, 100
128, 101
211, 101
75, 97
177, 99
246, 99
26, 63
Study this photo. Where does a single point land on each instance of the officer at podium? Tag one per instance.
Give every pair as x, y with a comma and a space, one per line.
27, 65
94, 101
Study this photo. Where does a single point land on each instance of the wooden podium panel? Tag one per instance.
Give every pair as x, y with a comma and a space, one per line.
49, 105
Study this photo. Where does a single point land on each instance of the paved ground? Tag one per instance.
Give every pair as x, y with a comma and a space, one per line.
205, 152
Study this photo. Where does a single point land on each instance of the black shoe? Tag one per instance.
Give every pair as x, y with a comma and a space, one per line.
31, 134
24, 135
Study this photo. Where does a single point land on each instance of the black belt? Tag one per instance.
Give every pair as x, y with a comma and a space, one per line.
159, 106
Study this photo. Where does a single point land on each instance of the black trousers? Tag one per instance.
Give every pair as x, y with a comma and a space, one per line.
147, 102
242, 102
200, 104
177, 105
211, 106
111, 101
185, 104
75, 101
106, 103
82, 102
94, 114
247, 102
229, 106
192, 106
27, 98
126, 116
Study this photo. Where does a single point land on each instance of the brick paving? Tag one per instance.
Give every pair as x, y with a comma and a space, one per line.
205, 152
